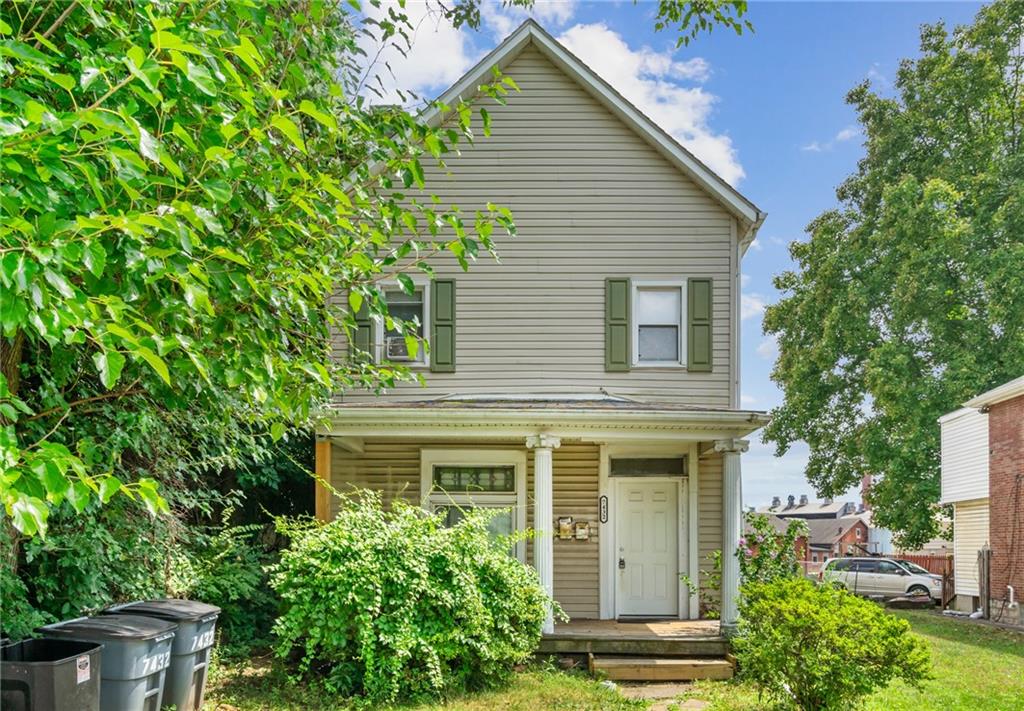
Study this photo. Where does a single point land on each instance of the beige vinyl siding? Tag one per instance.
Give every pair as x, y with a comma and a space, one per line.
709, 512
970, 533
591, 200
393, 467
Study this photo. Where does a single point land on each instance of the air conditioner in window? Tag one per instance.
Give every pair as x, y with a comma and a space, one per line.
395, 348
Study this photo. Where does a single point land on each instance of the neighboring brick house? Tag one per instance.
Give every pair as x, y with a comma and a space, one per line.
836, 538
983, 479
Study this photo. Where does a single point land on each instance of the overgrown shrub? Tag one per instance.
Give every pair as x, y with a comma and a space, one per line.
393, 605
231, 574
821, 648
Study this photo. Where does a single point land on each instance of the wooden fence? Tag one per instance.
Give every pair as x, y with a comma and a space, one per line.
937, 564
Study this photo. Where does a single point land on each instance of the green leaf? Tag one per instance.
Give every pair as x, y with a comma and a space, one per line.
277, 431
290, 130
307, 107
109, 364
109, 486
406, 283
200, 76
155, 362
29, 515
95, 258
355, 300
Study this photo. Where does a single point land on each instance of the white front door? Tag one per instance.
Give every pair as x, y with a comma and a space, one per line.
648, 547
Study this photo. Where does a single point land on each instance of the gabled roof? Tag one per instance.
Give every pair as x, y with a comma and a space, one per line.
827, 531
532, 34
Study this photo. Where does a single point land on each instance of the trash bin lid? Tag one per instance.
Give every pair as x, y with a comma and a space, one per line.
122, 628
176, 610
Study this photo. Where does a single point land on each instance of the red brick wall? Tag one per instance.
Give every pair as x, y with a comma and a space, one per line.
1006, 495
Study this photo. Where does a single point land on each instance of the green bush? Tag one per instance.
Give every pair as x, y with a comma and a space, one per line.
821, 647
230, 573
393, 605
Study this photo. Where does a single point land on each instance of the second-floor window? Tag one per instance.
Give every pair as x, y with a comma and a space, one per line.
659, 310
412, 309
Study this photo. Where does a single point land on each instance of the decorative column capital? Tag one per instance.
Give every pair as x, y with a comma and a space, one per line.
543, 441
733, 446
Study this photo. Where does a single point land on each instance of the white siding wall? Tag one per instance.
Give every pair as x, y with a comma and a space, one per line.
964, 438
970, 533
591, 200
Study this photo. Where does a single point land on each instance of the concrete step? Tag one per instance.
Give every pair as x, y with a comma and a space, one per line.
660, 668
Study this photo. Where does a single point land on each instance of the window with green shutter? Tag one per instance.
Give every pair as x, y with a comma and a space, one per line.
362, 336
698, 306
617, 335
442, 326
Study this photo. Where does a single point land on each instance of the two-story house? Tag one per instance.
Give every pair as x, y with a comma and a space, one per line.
590, 382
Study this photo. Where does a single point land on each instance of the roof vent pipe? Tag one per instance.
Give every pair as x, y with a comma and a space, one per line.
776, 502
803, 499
790, 501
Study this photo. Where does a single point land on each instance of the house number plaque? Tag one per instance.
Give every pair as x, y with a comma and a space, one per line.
602, 507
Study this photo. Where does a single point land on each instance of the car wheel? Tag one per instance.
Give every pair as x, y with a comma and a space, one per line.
917, 590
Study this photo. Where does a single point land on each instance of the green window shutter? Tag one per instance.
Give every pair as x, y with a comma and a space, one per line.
617, 338
442, 326
362, 337
698, 317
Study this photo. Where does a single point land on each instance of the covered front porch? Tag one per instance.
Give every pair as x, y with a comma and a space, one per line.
627, 500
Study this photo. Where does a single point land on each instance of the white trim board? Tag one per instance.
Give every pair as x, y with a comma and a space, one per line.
530, 33
688, 607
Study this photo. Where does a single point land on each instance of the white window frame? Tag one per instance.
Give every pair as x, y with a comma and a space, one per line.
430, 498
640, 285
422, 285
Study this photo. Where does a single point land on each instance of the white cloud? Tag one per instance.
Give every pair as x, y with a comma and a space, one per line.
439, 56
845, 134
502, 20
756, 245
744, 279
768, 348
651, 81
747, 400
751, 305
848, 133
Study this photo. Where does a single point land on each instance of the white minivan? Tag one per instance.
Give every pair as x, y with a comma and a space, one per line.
882, 577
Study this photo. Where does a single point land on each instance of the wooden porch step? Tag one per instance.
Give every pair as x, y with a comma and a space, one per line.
660, 668
650, 646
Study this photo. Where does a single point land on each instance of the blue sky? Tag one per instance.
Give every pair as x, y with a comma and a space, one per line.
766, 110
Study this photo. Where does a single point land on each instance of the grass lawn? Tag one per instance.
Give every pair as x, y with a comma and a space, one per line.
260, 685
976, 668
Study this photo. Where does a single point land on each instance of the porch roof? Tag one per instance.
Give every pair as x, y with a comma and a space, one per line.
597, 417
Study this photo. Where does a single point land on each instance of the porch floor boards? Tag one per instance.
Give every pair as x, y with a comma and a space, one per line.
694, 638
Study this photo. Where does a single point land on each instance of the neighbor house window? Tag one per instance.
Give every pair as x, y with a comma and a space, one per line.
658, 319
858, 534
455, 482
410, 308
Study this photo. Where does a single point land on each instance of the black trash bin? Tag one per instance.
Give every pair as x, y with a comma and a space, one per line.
46, 674
136, 653
190, 655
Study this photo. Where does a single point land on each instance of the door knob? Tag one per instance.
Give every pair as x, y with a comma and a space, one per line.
622, 563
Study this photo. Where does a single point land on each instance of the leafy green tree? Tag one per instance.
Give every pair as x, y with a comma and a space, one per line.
186, 186
908, 299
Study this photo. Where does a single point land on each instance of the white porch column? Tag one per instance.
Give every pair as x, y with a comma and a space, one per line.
543, 515
732, 515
